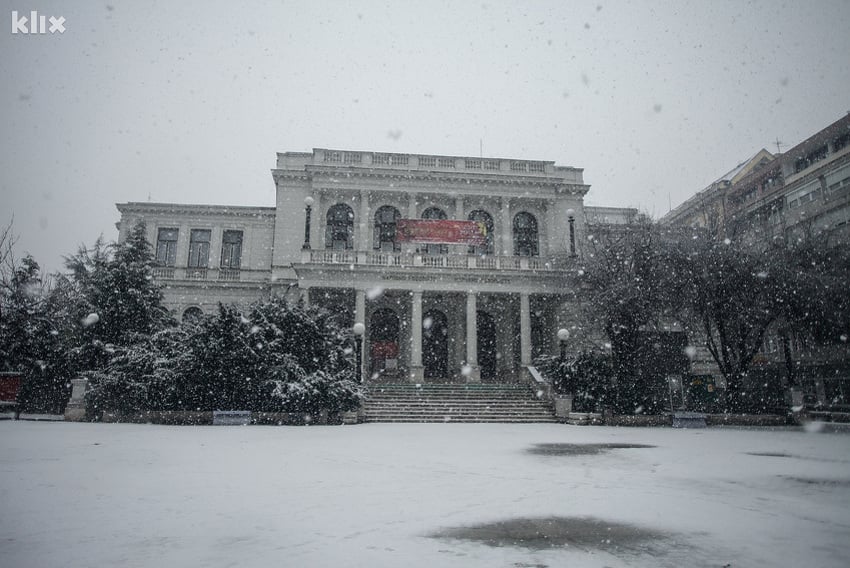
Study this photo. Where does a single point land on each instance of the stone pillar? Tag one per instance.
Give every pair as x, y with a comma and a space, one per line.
360, 306
75, 411
525, 332
474, 375
417, 372
459, 212
507, 229
360, 317
363, 241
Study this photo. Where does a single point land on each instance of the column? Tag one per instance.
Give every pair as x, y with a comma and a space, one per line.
360, 306
474, 375
363, 241
507, 229
459, 212
416, 370
525, 332
305, 295
360, 317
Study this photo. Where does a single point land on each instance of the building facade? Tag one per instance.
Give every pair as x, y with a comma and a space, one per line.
801, 193
434, 309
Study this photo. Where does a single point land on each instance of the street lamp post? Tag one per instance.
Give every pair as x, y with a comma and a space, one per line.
572, 221
359, 329
563, 336
308, 205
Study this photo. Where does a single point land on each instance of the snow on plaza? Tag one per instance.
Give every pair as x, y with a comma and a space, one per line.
83, 494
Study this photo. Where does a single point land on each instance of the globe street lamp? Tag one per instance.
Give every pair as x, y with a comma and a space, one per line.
359, 329
308, 204
563, 336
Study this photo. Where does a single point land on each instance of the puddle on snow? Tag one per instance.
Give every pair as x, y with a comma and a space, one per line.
579, 449
770, 454
581, 533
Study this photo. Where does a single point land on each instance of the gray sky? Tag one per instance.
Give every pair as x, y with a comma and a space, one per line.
189, 101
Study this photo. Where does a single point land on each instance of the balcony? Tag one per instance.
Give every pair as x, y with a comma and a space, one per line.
444, 261
210, 274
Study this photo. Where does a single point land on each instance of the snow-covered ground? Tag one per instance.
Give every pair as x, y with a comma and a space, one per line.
382, 495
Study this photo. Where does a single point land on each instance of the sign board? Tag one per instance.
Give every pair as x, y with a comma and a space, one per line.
231, 417
441, 231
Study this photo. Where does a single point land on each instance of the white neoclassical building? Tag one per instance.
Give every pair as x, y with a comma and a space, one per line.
461, 268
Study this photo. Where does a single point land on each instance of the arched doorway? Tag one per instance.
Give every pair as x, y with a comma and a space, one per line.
384, 231
339, 227
435, 214
435, 345
486, 326
383, 338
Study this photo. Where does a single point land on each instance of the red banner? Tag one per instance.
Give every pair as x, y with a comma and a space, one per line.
442, 232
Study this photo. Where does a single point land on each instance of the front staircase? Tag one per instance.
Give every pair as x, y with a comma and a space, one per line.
455, 403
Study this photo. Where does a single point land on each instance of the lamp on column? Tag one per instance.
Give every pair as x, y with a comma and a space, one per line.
359, 329
563, 336
572, 221
308, 205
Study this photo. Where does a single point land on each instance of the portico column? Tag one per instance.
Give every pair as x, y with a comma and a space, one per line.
416, 370
525, 332
360, 306
507, 229
472, 338
360, 317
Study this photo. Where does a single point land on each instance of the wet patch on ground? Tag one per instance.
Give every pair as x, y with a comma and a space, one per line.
579, 449
818, 481
582, 534
770, 454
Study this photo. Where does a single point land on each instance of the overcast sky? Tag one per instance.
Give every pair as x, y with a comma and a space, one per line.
188, 101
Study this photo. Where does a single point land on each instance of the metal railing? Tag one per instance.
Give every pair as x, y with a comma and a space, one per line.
450, 261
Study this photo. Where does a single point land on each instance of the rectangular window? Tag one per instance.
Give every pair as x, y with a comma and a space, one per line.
231, 250
166, 247
199, 248
841, 142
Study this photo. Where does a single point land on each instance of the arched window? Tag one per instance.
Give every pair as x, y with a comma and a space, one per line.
339, 231
435, 213
482, 217
384, 233
525, 234
192, 315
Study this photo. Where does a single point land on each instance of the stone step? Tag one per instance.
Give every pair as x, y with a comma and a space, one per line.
455, 403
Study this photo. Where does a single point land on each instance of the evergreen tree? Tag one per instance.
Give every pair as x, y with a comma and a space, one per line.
117, 302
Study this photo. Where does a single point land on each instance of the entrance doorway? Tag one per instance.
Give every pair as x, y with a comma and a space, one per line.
435, 345
486, 326
383, 338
